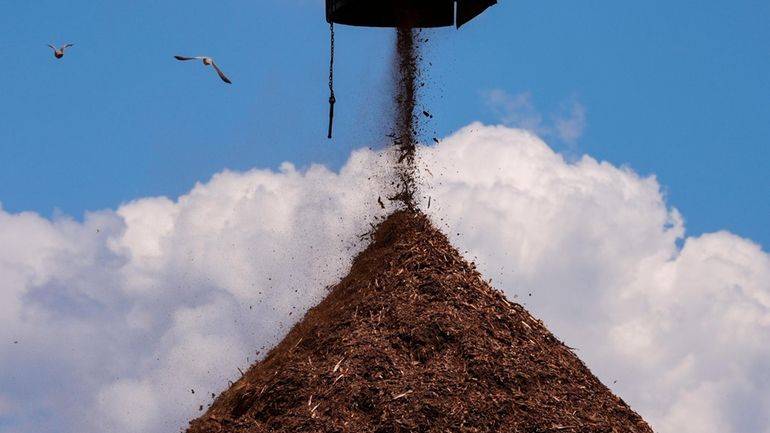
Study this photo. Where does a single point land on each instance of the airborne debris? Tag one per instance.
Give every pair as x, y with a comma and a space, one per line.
407, 70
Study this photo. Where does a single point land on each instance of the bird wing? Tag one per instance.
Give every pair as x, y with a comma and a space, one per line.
187, 58
67, 46
221, 74
52, 47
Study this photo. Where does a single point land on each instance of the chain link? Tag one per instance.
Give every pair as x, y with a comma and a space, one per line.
332, 99
331, 63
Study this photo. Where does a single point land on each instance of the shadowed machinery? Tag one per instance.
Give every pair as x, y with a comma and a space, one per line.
404, 13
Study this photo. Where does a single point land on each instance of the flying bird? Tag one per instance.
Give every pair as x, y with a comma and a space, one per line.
207, 61
59, 52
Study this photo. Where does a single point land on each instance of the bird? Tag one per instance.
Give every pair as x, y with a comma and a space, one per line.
207, 61
59, 52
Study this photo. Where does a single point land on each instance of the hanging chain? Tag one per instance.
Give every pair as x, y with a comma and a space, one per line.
332, 99
331, 61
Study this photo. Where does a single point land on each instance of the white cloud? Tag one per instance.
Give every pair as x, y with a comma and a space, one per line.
571, 123
122, 316
686, 333
132, 309
518, 111
515, 110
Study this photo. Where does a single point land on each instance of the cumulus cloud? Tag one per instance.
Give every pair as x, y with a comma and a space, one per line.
129, 320
112, 323
515, 110
685, 332
518, 111
571, 122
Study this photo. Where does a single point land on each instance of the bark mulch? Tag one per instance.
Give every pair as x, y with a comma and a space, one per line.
414, 340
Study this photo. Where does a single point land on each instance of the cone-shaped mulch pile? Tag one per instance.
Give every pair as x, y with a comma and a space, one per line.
414, 340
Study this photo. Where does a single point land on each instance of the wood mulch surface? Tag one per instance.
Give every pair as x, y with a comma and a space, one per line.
414, 340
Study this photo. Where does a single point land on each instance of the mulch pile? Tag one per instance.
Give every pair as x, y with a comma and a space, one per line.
414, 340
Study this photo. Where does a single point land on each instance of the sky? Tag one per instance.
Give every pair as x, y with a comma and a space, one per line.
676, 90
145, 204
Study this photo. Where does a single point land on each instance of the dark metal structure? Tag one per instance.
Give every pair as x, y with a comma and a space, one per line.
404, 13
396, 13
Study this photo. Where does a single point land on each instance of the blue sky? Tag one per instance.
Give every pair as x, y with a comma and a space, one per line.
678, 90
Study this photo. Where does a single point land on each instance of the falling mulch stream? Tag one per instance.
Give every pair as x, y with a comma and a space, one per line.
414, 340
406, 72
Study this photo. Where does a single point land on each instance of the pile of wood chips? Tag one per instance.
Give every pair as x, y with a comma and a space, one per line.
414, 340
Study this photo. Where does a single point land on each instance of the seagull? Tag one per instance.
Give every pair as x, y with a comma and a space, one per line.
59, 52
207, 61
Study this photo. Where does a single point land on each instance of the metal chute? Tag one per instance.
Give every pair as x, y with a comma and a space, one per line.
470, 9
396, 13
404, 13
